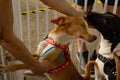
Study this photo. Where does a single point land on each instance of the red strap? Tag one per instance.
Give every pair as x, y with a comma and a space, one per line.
51, 41
67, 56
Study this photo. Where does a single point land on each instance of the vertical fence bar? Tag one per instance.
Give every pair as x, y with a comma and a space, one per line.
3, 62
115, 7
76, 3
17, 19
95, 5
85, 5
37, 20
28, 24
46, 16
20, 16
105, 6
80, 55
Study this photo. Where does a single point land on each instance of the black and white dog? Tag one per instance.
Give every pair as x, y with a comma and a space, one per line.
108, 25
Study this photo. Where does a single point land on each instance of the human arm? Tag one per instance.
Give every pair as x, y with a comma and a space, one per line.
12, 44
63, 7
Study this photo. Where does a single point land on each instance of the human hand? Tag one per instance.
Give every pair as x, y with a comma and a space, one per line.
40, 67
2, 68
9, 57
35, 56
81, 13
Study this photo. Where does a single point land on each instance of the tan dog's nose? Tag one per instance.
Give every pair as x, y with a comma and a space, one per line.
93, 37
89, 37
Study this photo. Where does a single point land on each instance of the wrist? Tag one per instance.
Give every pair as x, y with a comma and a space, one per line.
79, 14
33, 63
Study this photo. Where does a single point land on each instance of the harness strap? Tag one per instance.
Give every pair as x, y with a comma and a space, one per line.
61, 57
66, 54
51, 41
45, 52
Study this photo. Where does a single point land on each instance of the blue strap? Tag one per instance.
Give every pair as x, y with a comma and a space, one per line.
61, 57
45, 37
45, 52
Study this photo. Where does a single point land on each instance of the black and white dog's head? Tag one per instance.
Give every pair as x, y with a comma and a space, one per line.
107, 24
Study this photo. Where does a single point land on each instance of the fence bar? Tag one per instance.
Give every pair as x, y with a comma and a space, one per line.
76, 3
115, 6
17, 19
95, 5
28, 24
85, 5
3, 61
20, 16
105, 6
46, 19
37, 20
80, 54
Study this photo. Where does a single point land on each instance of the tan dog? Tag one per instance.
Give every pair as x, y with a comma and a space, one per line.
55, 49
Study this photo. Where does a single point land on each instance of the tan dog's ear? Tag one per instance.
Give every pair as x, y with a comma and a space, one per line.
59, 21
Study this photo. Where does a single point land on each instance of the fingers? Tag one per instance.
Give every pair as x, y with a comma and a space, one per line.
35, 56
9, 57
2, 69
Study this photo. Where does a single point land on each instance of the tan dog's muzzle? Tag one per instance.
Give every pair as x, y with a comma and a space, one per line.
89, 38
92, 38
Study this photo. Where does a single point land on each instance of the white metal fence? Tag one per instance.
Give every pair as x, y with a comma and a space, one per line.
32, 27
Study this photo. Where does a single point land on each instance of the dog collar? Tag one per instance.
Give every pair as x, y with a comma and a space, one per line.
66, 53
103, 59
51, 41
109, 65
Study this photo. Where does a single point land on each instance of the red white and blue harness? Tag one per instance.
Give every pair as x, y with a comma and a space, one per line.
65, 53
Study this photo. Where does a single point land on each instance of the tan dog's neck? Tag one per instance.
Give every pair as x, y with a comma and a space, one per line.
60, 37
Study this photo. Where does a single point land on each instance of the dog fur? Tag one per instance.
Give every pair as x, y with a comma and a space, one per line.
69, 28
117, 60
108, 25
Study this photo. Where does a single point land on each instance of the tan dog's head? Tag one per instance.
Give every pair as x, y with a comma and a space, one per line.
74, 26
